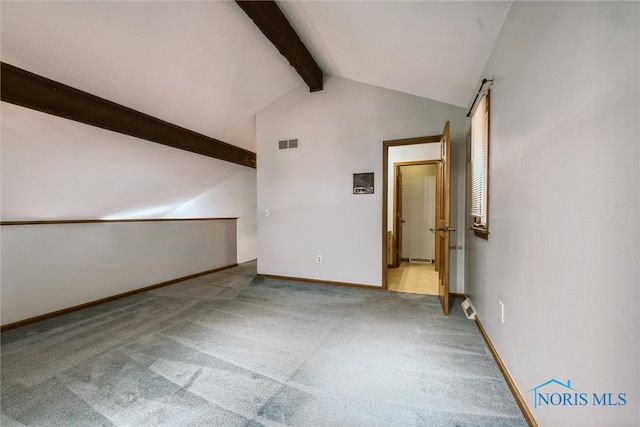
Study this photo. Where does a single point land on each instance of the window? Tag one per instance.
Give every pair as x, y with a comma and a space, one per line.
480, 166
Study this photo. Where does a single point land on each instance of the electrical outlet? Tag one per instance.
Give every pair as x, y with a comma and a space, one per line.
501, 311
319, 259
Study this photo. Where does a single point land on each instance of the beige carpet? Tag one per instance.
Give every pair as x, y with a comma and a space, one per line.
413, 278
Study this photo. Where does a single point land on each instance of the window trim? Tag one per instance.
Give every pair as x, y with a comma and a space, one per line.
479, 228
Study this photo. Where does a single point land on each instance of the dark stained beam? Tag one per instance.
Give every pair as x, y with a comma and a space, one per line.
29, 90
274, 25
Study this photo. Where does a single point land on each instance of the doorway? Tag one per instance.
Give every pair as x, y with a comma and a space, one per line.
436, 148
412, 268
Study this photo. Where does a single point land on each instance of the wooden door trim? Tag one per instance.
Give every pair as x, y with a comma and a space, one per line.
385, 189
416, 163
438, 184
396, 236
445, 219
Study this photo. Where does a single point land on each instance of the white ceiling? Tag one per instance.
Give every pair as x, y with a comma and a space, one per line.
432, 49
203, 65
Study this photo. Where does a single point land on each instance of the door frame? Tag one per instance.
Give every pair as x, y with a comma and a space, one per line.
398, 235
385, 189
396, 227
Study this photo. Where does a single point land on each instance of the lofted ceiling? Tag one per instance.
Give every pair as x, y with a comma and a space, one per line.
200, 65
432, 49
203, 65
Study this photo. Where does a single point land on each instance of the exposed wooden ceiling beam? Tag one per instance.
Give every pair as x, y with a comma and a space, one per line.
30, 90
274, 25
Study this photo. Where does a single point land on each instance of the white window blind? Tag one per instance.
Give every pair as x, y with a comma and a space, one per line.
479, 160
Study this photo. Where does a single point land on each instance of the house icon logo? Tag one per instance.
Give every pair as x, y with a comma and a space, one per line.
557, 393
547, 398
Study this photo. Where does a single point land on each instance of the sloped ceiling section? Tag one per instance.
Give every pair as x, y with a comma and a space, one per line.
274, 25
200, 65
433, 49
38, 93
53, 168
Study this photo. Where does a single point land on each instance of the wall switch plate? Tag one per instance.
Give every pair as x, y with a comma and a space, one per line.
501, 311
319, 259
266, 212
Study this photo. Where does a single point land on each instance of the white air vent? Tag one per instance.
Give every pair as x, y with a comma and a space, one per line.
468, 309
287, 143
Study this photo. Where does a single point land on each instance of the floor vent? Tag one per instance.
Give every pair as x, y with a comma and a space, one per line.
421, 260
468, 309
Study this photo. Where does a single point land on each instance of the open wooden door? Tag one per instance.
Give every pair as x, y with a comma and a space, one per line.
443, 218
398, 218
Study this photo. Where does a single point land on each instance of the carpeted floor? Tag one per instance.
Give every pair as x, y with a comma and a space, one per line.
231, 349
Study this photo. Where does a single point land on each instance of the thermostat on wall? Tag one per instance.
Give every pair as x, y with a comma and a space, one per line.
363, 183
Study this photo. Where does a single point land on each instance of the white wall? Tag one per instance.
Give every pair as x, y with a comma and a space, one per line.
563, 251
308, 190
236, 196
406, 153
56, 169
50, 267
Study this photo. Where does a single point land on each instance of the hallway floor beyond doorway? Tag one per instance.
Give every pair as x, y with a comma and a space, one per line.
413, 278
